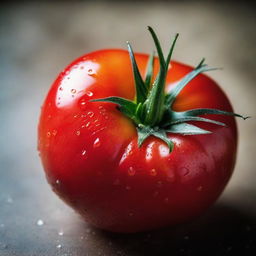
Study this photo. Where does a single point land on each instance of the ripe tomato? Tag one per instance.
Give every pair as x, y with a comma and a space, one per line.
91, 155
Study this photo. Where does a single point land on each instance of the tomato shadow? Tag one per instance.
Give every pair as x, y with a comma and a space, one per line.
222, 230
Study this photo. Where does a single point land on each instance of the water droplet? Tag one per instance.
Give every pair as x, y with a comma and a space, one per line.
131, 171
48, 134
58, 246
78, 133
61, 89
90, 114
61, 233
83, 104
153, 172
84, 153
54, 132
91, 72
73, 91
88, 124
40, 222
199, 189
96, 143
57, 182
89, 93
184, 171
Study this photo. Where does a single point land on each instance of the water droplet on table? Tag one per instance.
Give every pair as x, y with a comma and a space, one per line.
60, 233
40, 222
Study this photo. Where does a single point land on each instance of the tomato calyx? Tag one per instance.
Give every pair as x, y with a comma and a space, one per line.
151, 111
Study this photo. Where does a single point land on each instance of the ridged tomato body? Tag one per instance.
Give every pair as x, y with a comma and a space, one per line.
92, 161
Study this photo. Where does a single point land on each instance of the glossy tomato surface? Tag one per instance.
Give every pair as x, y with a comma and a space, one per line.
92, 161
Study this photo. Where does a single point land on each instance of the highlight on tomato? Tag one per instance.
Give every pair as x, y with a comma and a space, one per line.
135, 142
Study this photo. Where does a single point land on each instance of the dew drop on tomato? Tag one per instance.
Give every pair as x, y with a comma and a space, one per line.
89, 93
131, 171
82, 104
84, 153
90, 72
96, 143
54, 132
153, 172
90, 114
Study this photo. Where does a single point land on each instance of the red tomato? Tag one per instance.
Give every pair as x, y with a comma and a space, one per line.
91, 156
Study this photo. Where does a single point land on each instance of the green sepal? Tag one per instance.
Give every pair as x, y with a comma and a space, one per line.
149, 72
158, 47
145, 131
151, 109
168, 59
209, 111
127, 107
141, 89
154, 104
186, 129
182, 119
171, 96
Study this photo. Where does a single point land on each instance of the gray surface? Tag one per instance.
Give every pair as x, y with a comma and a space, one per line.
37, 41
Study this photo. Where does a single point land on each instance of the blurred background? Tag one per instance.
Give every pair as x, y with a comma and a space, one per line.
38, 39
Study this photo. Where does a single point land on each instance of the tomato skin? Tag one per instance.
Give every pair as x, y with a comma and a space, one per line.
91, 159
